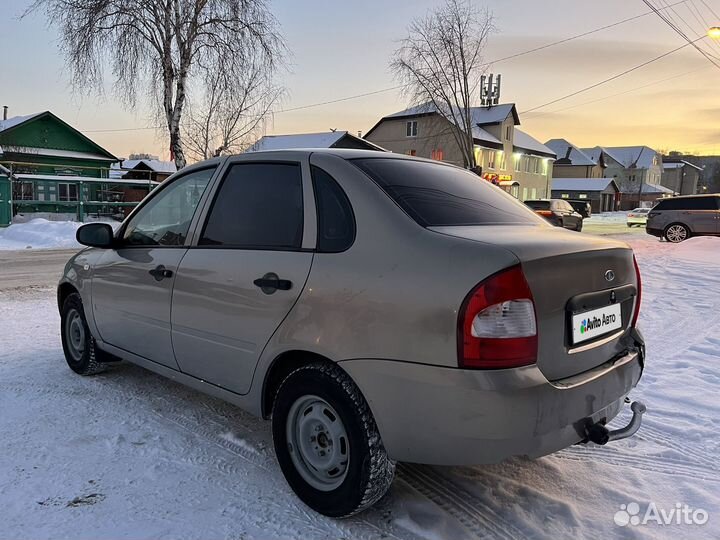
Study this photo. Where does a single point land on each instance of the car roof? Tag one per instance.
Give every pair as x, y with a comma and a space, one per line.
696, 196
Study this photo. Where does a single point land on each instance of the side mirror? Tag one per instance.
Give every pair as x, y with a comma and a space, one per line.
98, 235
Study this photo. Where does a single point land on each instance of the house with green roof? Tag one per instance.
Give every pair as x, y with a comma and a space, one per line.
50, 169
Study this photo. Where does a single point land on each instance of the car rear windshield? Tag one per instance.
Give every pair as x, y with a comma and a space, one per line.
538, 205
436, 195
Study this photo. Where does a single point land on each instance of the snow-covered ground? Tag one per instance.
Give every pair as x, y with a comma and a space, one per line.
128, 454
40, 233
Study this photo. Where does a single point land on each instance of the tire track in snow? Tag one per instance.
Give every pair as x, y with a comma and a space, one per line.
654, 464
481, 520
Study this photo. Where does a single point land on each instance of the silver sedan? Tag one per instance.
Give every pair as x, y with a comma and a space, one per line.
379, 308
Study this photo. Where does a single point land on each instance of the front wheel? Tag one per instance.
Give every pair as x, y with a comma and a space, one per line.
327, 442
78, 344
579, 226
676, 233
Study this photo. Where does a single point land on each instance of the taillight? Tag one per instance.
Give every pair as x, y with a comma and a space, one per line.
544, 213
496, 325
639, 292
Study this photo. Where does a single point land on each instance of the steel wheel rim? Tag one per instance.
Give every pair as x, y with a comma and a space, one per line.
75, 335
676, 233
318, 443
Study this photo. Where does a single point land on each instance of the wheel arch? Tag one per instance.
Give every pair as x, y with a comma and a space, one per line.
64, 290
280, 368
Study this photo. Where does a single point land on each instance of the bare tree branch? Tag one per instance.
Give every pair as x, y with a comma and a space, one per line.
163, 47
440, 63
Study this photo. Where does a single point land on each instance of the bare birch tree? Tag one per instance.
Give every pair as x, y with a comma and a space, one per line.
440, 63
233, 110
162, 47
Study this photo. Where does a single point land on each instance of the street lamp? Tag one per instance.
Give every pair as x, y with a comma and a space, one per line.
714, 32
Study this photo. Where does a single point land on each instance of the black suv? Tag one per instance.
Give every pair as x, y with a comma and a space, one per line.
559, 212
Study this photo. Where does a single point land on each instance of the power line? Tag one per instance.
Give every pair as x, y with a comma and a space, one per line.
397, 87
681, 33
576, 36
609, 79
533, 114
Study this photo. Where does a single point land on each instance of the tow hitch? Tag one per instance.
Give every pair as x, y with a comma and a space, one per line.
599, 434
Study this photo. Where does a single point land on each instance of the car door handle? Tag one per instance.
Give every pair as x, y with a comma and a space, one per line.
270, 283
160, 272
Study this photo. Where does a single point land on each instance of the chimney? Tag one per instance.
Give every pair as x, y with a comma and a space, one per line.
5, 108
359, 134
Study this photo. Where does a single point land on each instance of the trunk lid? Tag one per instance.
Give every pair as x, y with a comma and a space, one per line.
568, 275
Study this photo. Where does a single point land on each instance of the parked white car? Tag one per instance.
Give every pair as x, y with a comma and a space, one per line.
638, 217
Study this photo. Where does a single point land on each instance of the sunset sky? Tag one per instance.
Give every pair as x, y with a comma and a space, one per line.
339, 49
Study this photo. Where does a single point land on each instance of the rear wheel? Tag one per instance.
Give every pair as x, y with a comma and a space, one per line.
78, 344
327, 442
676, 232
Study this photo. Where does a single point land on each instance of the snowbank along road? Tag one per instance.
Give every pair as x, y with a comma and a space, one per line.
128, 454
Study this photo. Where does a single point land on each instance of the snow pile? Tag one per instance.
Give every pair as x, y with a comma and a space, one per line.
40, 234
702, 249
607, 218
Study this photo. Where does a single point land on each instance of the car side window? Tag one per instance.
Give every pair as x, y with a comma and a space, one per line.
336, 223
258, 206
702, 203
165, 219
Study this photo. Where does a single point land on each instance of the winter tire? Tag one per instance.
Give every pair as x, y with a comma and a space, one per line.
78, 344
579, 227
327, 442
677, 232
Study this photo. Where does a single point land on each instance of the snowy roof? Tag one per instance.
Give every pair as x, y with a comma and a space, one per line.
676, 164
15, 120
326, 139
525, 142
300, 140
638, 157
482, 135
656, 188
480, 115
54, 152
582, 184
155, 165
576, 156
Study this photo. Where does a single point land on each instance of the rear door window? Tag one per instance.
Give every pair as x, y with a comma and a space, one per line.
702, 203
437, 195
258, 206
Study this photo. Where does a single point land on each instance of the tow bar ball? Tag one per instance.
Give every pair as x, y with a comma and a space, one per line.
599, 434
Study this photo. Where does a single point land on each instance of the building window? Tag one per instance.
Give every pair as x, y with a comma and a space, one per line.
528, 164
412, 152
525, 193
502, 160
582, 196
23, 191
411, 128
437, 154
533, 193
491, 159
508, 133
564, 195
67, 192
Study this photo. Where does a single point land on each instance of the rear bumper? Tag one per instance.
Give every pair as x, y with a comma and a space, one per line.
654, 232
445, 416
